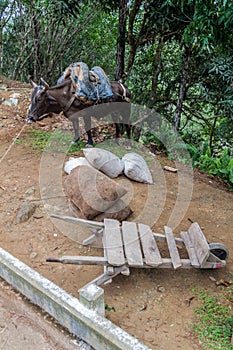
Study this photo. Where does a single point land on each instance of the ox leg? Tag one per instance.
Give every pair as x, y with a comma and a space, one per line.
75, 122
125, 112
115, 119
128, 132
87, 122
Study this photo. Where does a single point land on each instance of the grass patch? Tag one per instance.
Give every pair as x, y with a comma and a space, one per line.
214, 321
59, 141
120, 150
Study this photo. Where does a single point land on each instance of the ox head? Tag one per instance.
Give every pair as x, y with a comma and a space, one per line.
41, 103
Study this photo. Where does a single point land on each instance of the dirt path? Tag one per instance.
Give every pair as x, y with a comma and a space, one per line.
24, 326
152, 305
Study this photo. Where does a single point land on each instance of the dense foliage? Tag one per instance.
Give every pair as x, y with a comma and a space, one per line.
176, 56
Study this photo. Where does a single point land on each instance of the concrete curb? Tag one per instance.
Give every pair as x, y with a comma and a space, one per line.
97, 331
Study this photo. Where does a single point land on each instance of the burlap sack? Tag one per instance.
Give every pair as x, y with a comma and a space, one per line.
119, 211
73, 162
136, 168
92, 191
105, 161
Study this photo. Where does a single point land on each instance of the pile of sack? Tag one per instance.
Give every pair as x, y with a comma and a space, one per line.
92, 193
90, 85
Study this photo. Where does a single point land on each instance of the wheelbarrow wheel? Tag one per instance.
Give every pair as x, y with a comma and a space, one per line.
219, 250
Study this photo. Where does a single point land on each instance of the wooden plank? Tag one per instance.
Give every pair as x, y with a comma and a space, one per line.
131, 242
105, 278
169, 168
71, 219
113, 244
89, 240
190, 249
172, 248
162, 238
199, 243
80, 260
168, 264
149, 246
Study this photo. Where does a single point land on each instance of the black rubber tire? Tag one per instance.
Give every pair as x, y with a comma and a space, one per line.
219, 250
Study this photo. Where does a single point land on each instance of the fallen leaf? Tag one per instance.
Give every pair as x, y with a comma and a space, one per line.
224, 283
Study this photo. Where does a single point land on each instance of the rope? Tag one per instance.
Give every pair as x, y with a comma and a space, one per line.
124, 97
12, 143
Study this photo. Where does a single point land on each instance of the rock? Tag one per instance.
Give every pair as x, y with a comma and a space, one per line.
29, 193
119, 211
92, 191
25, 212
11, 102
3, 86
33, 255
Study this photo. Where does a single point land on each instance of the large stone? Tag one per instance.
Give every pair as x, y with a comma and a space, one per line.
3, 86
91, 191
11, 102
25, 212
119, 211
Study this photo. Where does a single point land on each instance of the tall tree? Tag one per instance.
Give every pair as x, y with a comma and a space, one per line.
121, 41
6, 11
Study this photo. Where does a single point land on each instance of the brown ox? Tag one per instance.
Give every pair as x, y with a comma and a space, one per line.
61, 97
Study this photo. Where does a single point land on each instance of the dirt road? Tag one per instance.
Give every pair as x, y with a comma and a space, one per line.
150, 305
24, 326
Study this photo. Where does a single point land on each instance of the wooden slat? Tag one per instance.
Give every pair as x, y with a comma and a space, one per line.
172, 248
113, 244
71, 219
199, 243
80, 260
190, 249
149, 246
105, 278
132, 247
159, 237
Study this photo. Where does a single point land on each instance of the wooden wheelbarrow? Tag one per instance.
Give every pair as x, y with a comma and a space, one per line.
130, 245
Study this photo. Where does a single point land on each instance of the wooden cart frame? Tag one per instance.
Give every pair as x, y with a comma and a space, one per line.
130, 245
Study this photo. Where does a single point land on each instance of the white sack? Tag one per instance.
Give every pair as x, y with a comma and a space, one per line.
136, 168
73, 162
105, 161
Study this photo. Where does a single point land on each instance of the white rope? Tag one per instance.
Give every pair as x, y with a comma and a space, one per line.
12, 143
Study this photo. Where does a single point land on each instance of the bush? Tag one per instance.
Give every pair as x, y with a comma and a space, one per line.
221, 166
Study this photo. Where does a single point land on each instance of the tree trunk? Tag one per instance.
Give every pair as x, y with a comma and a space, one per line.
1, 49
212, 131
131, 36
120, 56
4, 18
156, 72
36, 40
182, 89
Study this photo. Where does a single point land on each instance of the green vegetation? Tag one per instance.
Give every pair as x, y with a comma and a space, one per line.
51, 141
221, 166
108, 310
176, 57
214, 321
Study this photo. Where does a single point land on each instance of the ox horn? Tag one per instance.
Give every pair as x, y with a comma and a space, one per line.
33, 85
43, 82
